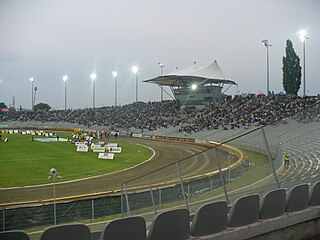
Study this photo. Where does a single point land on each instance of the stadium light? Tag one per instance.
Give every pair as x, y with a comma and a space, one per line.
54, 175
135, 71
267, 45
161, 65
303, 37
65, 79
93, 77
194, 86
32, 104
115, 76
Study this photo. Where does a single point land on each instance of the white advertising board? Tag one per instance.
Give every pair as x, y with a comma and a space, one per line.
98, 148
82, 148
136, 135
114, 149
106, 155
112, 145
80, 143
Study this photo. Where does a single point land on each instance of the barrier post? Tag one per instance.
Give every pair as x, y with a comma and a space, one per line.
182, 188
3, 220
270, 158
127, 200
121, 200
92, 208
150, 188
159, 198
221, 176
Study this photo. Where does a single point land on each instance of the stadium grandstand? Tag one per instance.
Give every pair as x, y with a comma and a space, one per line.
217, 173
195, 85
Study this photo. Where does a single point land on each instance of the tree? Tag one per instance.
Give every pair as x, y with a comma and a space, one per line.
291, 70
42, 107
3, 105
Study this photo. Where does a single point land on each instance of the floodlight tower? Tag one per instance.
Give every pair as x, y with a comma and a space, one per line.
115, 76
267, 45
161, 65
32, 104
135, 71
93, 77
65, 79
303, 37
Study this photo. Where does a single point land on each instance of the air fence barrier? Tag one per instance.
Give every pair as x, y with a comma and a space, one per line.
132, 198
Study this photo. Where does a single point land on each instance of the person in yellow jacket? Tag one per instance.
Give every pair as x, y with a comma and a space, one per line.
286, 161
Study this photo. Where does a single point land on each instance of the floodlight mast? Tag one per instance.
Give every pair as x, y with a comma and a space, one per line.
161, 65
267, 45
135, 71
65, 79
32, 103
115, 76
93, 77
303, 37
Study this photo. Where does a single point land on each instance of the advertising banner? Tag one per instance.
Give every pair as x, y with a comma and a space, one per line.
82, 148
136, 135
114, 149
98, 148
106, 155
80, 143
112, 145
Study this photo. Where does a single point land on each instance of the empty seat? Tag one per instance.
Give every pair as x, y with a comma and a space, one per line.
131, 228
66, 232
298, 198
170, 225
209, 219
14, 235
315, 194
273, 204
244, 211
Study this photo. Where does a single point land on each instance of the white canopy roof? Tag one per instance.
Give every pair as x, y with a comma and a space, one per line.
193, 73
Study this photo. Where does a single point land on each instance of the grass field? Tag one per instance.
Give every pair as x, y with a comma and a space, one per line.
25, 162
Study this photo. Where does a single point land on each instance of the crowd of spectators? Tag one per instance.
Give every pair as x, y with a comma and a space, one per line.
229, 114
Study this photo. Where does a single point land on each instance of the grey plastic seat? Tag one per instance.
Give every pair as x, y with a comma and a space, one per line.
209, 219
273, 204
67, 232
298, 198
131, 228
170, 225
244, 211
14, 235
314, 199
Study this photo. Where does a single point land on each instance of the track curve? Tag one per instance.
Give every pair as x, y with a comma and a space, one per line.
166, 153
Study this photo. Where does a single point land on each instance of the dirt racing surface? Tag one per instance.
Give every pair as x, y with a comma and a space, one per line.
197, 159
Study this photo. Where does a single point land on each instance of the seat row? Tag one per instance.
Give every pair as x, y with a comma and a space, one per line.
175, 224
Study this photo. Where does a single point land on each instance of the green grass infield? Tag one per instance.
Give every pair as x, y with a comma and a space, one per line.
24, 162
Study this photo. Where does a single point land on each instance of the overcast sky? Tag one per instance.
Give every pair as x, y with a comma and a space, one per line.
47, 39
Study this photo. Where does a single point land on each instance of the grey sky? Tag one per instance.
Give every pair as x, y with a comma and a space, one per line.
47, 39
